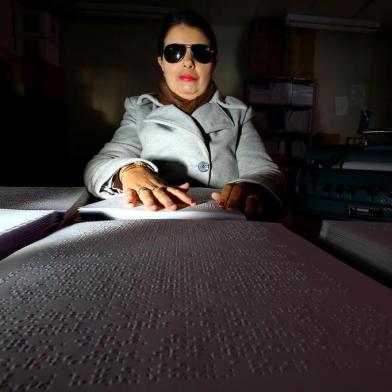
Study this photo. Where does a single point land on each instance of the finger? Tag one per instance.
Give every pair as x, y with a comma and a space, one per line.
216, 196
260, 209
180, 195
184, 187
131, 196
147, 198
161, 195
224, 195
234, 198
251, 207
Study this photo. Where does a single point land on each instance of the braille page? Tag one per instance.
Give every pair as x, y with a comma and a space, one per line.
117, 208
189, 306
19, 228
367, 242
39, 201
42, 198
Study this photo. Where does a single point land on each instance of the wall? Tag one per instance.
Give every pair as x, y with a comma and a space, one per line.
233, 59
105, 60
352, 73
381, 84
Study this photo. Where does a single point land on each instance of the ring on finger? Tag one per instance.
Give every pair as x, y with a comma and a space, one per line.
142, 189
158, 188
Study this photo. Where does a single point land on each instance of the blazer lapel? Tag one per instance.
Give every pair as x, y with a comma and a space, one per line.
212, 118
171, 116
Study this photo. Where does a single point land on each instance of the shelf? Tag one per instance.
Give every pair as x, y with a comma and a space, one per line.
281, 93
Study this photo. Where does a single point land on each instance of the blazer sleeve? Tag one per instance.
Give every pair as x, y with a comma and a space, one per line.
254, 163
123, 149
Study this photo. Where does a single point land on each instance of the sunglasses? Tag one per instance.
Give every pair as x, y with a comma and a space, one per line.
174, 53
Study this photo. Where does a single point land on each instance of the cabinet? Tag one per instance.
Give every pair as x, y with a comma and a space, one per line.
283, 114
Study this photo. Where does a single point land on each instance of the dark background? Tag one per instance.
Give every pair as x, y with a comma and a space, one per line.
63, 99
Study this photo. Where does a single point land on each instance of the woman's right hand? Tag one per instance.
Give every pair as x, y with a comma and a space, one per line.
140, 185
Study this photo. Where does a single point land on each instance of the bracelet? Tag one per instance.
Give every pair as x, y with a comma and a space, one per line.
132, 166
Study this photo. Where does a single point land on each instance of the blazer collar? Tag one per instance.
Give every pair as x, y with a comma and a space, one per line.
213, 116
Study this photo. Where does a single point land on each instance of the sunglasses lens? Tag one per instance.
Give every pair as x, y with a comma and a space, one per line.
174, 53
202, 53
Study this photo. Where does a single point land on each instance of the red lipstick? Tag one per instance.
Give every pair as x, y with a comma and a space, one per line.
188, 78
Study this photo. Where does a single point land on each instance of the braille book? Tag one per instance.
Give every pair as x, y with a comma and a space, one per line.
189, 305
19, 228
64, 200
29, 213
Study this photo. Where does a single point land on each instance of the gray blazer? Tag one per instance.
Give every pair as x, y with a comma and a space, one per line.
216, 145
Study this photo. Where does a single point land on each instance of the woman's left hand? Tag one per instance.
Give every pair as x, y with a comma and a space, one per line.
242, 196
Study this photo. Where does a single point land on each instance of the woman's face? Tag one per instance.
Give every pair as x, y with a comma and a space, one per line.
188, 78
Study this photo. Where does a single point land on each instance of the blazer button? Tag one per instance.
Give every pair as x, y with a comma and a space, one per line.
203, 166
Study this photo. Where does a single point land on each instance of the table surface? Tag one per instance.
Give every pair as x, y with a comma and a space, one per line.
189, 305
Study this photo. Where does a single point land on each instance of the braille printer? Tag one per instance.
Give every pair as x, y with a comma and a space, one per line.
347, 182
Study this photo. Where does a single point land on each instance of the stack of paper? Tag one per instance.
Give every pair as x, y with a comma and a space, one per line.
184, 305
369, 243
64, 200
19, 228
29, 213
206, 208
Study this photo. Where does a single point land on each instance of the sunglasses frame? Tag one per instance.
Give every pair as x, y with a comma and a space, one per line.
186, 46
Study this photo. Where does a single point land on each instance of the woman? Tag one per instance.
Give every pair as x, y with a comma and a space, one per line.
187, 133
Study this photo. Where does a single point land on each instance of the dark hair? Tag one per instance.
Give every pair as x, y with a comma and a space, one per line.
188, 18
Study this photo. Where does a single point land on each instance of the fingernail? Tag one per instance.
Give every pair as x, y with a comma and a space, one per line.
193, 203
221, 204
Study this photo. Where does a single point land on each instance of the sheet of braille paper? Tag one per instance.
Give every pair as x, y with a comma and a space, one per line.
189, 306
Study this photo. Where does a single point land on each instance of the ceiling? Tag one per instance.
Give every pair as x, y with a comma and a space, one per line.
232, 12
